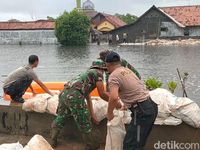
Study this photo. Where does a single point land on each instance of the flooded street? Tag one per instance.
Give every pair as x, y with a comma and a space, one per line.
62, 64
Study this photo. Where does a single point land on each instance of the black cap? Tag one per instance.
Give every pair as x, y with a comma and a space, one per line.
112, 57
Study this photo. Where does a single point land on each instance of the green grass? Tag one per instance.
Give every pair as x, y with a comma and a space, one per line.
172, 86
153, 83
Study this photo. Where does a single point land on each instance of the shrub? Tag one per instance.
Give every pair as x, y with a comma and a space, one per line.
172, 86
72, 28
153, 83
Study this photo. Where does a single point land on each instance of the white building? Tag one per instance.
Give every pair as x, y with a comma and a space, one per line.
34, 32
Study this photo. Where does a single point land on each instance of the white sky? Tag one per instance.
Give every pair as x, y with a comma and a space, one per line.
39, 9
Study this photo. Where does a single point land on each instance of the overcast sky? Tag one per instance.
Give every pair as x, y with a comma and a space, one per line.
39, 9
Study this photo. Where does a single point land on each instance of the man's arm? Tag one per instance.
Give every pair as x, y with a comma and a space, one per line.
113, 101
90, 107
102, 93
32, 90
43, 87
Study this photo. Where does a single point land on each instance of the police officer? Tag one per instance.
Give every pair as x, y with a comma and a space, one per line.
72, 103
124, 63
124, 84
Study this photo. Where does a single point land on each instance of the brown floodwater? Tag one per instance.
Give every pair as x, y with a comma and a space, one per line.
63, 63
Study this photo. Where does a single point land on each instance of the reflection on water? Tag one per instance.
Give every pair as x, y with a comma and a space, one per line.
63, 63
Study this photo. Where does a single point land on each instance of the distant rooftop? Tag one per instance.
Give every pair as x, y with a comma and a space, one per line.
116, 21
186, 15
31, 25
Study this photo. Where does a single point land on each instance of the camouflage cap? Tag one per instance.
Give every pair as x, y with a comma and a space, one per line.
98, 64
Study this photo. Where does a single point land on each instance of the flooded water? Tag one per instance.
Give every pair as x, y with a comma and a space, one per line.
62, 64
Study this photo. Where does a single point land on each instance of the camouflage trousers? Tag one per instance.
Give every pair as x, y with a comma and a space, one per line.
72, 103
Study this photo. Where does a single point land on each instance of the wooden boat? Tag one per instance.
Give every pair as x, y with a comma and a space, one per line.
59, 86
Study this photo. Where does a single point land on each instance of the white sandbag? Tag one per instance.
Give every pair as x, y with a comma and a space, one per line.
171, 121
13, 146
190, 114
55, 92
181, 102
100, 108
165, 101
169, 105
116, 131
37, 103
52, 105
38, 143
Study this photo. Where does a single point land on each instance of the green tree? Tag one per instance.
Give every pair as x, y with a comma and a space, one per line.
72, 28
128, 18
50, 18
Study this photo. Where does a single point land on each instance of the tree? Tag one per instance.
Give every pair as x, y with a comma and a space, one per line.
50, 18
128, 18
72, 28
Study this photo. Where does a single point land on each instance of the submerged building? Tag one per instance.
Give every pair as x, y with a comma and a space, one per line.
33, 32
101, 22
105, 22
162, 22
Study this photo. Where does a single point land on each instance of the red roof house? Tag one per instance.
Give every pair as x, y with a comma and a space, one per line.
31, 25
186, 15
106, 22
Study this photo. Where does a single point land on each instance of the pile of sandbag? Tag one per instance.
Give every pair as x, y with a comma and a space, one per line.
100, 108
165, 101
188, 111
42, 103
37, 142
173, 110
12, 146
45, 103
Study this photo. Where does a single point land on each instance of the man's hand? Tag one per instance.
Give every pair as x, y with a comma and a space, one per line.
124, 107
51, 94
43, 87
95, 120
119, 105
34, 94
110, 116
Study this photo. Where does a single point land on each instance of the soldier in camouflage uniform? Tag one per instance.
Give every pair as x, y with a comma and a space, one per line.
124, 63
72, 102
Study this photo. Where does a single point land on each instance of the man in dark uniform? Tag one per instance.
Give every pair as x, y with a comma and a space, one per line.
124, 84
72, 103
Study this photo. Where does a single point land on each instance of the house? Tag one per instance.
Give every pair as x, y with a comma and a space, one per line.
105, 22
33, 32
100, 21
162, 22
